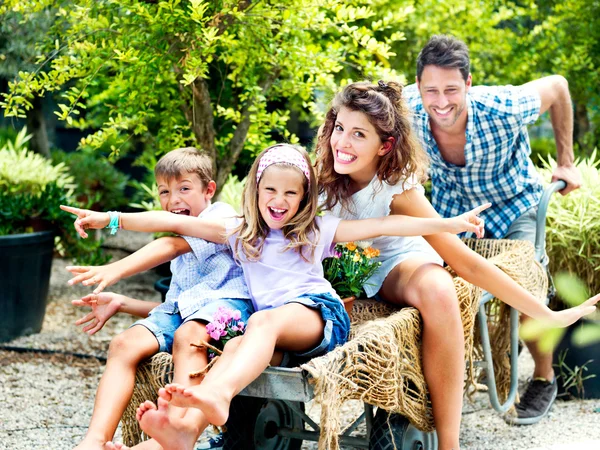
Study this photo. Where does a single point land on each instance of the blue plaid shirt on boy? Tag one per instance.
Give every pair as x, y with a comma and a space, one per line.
497, 168
207, 273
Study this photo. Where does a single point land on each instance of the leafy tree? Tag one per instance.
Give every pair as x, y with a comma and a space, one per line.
19, 34
175, 73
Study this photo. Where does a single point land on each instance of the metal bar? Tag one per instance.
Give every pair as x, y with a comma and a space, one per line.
350, 441
354, 425
302, 414
540, 233
487, 351
369, 418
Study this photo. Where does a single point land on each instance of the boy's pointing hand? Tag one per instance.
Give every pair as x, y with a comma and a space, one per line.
87, 219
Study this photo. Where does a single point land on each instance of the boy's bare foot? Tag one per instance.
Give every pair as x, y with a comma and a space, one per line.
170, 433
213, 403
91, 443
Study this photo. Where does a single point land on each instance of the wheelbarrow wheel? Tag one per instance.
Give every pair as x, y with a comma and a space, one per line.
393, 431
253, 424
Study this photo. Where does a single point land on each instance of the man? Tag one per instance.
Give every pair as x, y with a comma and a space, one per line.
479, 147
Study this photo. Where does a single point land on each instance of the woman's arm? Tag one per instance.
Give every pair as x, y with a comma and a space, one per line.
479, 271
151, 221
404, 225
151, 255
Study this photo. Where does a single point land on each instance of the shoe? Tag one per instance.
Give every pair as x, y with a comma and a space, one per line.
214, 443
536, 402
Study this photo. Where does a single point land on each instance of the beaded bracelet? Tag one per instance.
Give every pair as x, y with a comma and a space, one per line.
114, 223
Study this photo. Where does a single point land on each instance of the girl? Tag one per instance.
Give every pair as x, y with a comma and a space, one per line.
280, 244
369, 165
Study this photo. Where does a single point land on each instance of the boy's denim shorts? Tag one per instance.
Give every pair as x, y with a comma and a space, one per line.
336, 331
163, 324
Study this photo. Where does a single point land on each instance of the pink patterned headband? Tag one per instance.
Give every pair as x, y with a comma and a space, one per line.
283, 154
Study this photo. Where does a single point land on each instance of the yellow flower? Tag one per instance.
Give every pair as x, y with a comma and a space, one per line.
356, 257
351, 246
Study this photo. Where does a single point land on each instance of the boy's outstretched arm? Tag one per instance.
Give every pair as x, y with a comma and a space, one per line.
400, 225
151, 255
151, 221
106, 305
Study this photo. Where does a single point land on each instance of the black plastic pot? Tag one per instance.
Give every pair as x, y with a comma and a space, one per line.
24, 279
577, 357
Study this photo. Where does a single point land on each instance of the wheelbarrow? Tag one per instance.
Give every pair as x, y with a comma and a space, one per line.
269, 414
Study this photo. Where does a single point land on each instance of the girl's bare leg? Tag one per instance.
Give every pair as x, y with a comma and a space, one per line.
429, 288
291, 327
125, 352
169, 425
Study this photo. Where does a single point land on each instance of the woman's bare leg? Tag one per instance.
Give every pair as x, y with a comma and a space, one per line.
125, 352
429, 288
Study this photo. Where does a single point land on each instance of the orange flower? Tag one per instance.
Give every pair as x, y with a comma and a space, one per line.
351, 246
371, 252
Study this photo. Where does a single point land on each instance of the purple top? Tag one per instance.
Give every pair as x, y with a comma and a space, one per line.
280, 276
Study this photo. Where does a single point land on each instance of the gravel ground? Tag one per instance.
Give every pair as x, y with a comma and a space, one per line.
47, 398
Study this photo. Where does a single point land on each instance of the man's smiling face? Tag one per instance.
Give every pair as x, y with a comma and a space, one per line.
444, 94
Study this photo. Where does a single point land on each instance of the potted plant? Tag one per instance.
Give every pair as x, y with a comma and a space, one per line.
350, 268
31, 227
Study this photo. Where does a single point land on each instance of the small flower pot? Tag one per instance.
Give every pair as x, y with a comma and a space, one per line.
348, 304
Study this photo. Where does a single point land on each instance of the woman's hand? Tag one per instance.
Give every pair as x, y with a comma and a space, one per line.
87, 219
469, 221
104, 306
103, 276
568, 316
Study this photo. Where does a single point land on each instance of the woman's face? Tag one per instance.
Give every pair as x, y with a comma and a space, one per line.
356, 146
280, 192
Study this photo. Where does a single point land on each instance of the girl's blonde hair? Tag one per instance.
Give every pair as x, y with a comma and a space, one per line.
383, 105
302, 230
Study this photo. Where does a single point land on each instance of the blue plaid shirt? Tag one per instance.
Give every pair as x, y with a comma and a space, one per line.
498, 168
207, 273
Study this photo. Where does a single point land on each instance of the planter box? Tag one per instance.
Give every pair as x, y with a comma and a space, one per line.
25, 277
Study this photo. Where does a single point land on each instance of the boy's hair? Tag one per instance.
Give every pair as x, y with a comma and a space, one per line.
444, 51
383, 106
181, 161
301, 230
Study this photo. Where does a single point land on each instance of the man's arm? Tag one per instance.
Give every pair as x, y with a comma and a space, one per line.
554, 95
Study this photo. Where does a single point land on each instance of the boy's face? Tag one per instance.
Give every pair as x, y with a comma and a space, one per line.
185, 195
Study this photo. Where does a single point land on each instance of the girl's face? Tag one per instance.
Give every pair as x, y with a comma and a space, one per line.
280, 192
356, 147
185, 195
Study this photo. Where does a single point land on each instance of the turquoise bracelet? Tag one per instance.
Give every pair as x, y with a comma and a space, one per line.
113, 225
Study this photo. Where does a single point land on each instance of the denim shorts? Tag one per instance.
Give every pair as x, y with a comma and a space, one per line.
163, 324
336, 331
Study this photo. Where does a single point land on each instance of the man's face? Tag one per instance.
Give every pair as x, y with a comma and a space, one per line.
444, 94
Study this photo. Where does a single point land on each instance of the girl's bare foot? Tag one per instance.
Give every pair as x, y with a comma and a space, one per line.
213, 403
170, 433
115, 446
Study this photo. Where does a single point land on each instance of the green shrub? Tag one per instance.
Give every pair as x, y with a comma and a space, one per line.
542, 148
99, 185
31, 192
573, 230
232, 192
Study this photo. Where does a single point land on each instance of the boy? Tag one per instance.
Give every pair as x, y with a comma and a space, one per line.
203, 280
